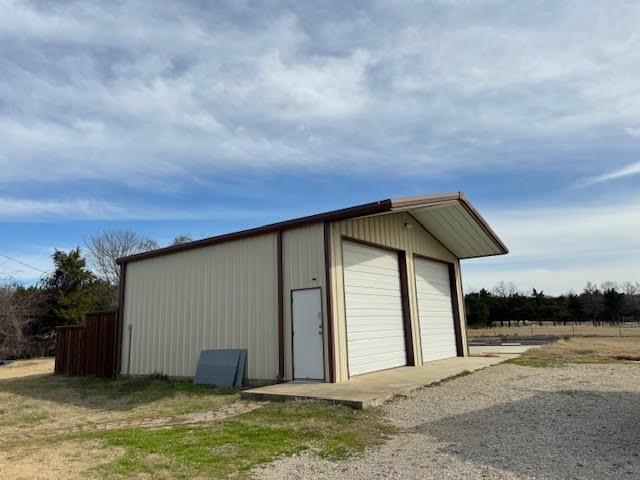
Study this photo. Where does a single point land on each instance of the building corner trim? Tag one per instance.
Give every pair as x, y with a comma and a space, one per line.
329, 298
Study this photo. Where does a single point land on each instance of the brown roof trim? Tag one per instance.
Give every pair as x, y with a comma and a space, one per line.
373, 208
342, 214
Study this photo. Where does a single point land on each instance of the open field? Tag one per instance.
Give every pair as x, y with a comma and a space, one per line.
583, 350
559, 330
54, 427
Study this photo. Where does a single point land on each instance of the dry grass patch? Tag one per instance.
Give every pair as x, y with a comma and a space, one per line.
70, 459
34, 401
582, 350
25, 368
557, 330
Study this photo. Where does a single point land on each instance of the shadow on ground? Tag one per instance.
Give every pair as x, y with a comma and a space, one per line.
103, 394
570, 434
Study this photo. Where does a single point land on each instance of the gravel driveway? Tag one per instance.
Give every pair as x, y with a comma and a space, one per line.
504, 422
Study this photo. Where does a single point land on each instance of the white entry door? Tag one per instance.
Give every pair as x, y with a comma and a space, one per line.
308, 359
435, 309
373, 307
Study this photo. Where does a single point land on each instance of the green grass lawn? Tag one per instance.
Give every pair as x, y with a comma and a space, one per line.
235, 446
38, 410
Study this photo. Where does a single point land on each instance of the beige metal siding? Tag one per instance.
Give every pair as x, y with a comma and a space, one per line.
303, 267
221, 296
387, 230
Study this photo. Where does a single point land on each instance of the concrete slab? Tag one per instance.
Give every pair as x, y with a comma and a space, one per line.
374, 389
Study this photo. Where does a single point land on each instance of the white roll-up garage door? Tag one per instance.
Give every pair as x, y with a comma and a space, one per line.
435, 309
373, 303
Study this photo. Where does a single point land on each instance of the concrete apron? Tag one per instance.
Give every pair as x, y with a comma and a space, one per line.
374, 389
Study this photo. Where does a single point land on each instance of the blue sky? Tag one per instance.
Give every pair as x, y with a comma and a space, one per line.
202, 118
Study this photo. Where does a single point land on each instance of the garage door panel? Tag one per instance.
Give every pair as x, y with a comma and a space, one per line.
362, 348
371, 301
379, 312
376, 271
387, 284
360, 335
435, 310
373, 363
371, 291
379, 322
373, 308
434, 289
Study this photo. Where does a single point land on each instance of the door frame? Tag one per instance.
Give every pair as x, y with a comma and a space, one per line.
453, 281
404, 295
293, 357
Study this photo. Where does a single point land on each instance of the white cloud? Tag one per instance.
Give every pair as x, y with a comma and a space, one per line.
16, 208
627, 171
137, 92
560, 249
28, 210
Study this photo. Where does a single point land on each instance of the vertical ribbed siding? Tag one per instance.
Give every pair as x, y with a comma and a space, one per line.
303, 267
222, 296
388, 230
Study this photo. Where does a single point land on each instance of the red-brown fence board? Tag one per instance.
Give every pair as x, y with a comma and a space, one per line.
89, 349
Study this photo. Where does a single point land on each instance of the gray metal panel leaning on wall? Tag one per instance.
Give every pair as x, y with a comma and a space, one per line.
218, 296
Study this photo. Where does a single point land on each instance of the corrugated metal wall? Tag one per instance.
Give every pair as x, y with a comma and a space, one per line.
221, 296
303, 267
388, 230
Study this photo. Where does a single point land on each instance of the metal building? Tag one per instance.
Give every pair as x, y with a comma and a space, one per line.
324, 297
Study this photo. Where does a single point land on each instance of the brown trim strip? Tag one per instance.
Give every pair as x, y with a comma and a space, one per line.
120, 321
457, 323
280, 307
406, 309
366, 209
331, 339
345, 213
423, 200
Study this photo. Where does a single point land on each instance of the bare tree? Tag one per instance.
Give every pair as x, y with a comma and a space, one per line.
106, 247
505, 289
14, 320
182, 238
631, 288
609, 285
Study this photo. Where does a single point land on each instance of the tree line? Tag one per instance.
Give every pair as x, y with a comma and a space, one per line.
607, 304
84, 279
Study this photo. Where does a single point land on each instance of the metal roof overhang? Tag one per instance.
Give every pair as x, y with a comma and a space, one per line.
455, 223
449, 217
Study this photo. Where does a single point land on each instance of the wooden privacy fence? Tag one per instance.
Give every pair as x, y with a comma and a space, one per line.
90, 349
